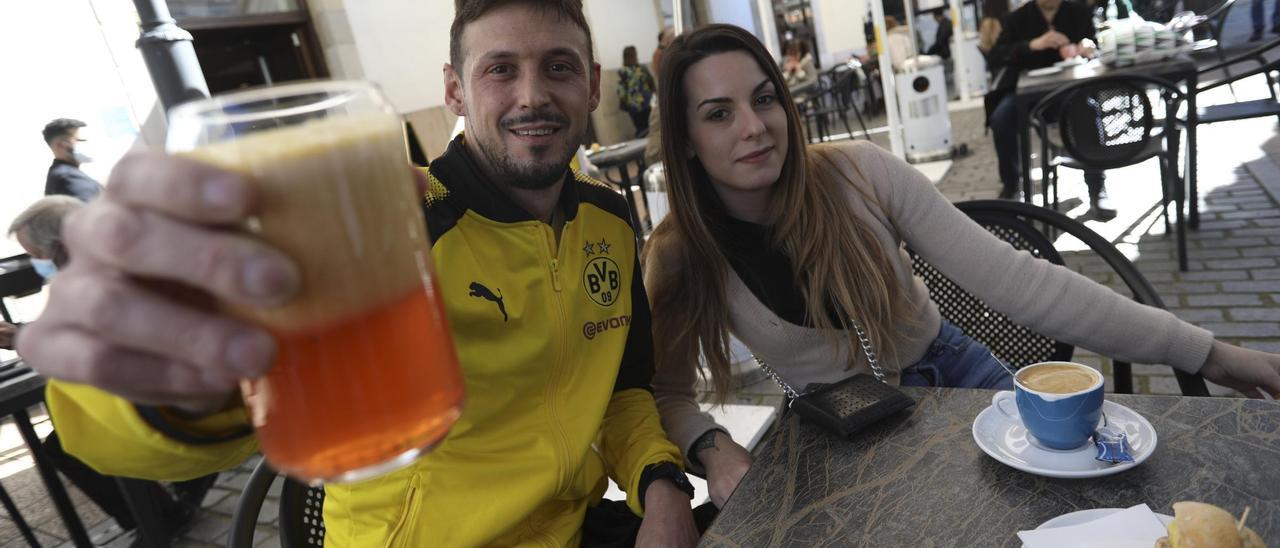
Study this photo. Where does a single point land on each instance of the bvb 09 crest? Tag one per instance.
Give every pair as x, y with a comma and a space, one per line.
603, 280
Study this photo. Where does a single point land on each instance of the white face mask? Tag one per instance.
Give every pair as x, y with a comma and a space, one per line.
45, 268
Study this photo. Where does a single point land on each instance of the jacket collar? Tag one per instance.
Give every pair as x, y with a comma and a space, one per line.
458, 171
57, 162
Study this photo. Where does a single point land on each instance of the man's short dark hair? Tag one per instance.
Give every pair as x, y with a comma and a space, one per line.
466, 11
60, 128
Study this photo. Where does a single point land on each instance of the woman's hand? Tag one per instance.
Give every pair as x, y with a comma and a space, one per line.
726, 462
1248, 371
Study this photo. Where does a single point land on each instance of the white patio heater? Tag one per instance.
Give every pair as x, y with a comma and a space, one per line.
922, 96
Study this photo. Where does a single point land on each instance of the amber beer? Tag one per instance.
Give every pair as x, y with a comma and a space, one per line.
366, 377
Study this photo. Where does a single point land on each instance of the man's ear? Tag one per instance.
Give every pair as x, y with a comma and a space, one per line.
594, 101
454, 94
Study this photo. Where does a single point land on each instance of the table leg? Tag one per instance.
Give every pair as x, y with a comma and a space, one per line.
75, 528
630, 198
1193, 119
1024, 149
644, 195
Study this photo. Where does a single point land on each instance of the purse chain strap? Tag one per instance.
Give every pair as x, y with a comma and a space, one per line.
867, 351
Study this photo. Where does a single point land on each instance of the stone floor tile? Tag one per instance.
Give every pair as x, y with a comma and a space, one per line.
210, 528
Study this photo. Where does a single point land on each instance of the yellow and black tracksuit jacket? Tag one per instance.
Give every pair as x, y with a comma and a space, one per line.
556, 353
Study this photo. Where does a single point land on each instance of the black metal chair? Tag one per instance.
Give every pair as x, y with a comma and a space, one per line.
301, 511
832, 100
17, 279
1111, 122
1211, 22
1016, 223
1241, 110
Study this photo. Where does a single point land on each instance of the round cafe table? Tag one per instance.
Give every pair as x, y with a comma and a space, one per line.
918, 478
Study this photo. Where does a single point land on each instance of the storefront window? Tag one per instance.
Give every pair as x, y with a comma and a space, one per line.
191, 9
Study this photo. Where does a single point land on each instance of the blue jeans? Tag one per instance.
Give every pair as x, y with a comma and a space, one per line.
1004, 134
955, 360
1257, 12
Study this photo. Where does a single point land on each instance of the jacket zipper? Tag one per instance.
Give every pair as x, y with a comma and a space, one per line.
553, 385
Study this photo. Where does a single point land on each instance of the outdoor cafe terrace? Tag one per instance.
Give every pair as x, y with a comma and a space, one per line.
805, 488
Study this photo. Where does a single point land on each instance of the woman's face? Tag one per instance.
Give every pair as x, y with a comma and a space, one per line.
737, 127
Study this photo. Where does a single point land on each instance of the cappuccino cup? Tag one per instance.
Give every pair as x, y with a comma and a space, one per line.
1059, 403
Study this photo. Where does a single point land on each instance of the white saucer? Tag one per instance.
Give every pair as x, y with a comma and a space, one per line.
1085, 516
1044, 71
1007, 441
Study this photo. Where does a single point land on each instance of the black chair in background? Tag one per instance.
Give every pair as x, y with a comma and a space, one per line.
1016, 223
1211, 24
1267, 66
831, 101
17, 279
301, 511
1111, 122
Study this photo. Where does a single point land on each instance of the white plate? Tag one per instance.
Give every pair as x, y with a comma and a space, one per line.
1044, 71
1068, 63
1085, 516
1007, 441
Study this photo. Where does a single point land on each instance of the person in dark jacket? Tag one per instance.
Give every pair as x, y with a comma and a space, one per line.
65, 178
1036, 35
942, 37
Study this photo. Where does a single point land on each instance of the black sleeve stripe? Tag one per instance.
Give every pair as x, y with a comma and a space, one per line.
636, 370
155, 419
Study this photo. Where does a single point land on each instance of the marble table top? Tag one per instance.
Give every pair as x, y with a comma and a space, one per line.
918, 478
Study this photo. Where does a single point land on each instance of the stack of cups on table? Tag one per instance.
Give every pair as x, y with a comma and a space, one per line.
1129, 41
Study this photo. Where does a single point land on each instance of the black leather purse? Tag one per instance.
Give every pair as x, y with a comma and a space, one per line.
847, 406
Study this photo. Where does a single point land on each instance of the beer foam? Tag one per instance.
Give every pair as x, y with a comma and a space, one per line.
336, 195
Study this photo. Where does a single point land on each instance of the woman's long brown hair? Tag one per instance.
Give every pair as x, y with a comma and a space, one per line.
835, 258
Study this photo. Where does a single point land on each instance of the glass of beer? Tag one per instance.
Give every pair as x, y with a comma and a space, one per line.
366, 378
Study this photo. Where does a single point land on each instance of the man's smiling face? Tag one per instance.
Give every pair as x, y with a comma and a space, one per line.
527, 86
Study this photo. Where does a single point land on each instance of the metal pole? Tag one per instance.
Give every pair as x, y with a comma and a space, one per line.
170, 57
677, 16
958, 52
886, 80
909, 8
768, 30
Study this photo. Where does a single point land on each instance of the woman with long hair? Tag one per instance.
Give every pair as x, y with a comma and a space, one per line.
798, 251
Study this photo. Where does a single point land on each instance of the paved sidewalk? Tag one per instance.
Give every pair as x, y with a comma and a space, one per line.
1232, 288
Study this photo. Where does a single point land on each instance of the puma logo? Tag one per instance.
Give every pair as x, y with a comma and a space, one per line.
483, 292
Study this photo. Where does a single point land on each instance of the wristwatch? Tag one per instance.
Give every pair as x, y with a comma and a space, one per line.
667, 471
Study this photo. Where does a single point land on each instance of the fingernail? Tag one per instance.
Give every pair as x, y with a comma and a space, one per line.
267, 279
221, 192
250, 353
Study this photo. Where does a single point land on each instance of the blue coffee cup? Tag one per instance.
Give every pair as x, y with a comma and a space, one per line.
1057, 421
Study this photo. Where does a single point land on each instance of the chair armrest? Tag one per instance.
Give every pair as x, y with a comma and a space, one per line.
1255, 54
1273, 65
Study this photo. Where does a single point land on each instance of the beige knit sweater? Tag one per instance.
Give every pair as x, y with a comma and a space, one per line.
1048, 298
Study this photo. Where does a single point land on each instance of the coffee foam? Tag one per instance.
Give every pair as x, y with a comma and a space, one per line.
1058, 379
337, 196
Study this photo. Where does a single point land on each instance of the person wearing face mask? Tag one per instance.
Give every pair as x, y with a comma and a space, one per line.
65, 177
38, 230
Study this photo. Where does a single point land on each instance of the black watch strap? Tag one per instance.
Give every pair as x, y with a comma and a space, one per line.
667, 471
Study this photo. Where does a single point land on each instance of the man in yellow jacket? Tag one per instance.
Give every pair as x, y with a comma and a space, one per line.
557, 366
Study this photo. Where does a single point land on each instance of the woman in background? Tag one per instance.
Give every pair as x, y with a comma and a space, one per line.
635, 88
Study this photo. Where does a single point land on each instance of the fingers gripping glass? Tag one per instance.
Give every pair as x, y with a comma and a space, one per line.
366, 378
